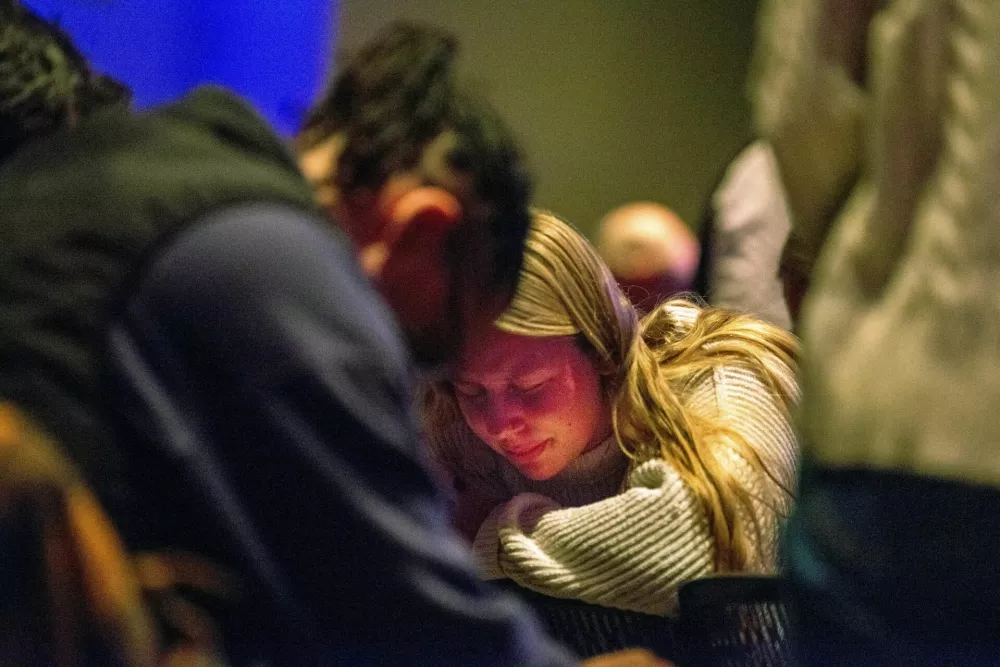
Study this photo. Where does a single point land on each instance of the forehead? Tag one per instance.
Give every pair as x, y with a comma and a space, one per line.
498, 355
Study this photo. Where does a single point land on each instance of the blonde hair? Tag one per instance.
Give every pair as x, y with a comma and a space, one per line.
565, 289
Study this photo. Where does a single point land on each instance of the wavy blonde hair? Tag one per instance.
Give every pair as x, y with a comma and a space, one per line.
565, 289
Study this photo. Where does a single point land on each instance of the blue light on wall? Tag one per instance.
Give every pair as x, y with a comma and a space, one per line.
273, 53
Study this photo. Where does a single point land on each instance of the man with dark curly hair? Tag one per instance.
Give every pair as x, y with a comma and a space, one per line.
185, 321
396, 139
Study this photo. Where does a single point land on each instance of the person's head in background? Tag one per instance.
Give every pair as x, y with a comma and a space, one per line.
650, 251
425, 179
570, 363
45, 82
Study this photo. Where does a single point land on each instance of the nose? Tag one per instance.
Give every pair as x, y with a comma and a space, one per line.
503, 418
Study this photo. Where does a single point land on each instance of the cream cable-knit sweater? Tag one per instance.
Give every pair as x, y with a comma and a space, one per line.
579, 535
901, 327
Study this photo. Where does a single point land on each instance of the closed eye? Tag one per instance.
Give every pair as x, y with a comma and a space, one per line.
533, 386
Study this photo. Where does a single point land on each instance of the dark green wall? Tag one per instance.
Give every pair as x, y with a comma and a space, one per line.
614, 100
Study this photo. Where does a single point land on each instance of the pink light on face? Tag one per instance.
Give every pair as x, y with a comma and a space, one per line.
535, 401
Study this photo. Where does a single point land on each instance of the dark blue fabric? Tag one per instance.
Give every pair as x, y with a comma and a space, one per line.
81, 209
894, 569
264, 392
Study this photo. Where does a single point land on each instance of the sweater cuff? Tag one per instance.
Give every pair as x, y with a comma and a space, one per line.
486, 546
517, 518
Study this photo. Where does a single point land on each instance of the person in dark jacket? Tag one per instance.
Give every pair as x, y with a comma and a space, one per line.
185, 321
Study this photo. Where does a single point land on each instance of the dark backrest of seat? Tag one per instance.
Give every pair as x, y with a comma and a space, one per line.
734, 621
590, 629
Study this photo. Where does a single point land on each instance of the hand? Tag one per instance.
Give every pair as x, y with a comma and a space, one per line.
633, 657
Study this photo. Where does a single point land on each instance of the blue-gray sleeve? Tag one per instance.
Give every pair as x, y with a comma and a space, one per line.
270, 385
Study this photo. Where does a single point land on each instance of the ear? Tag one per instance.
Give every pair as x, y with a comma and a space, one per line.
426, 206
422, 213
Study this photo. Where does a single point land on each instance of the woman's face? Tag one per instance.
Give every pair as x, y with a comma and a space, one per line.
535, 401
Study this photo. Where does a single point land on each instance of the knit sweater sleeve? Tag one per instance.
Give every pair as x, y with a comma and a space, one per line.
633, 550
629, 551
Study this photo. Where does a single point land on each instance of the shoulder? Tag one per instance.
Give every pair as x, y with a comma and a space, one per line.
755, 164
751, 196
744, 384
681, 317
269, 277
683, 313
755, 400
676, 317
759, 412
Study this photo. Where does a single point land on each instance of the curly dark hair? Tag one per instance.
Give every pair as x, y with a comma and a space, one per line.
396, 94
45, 82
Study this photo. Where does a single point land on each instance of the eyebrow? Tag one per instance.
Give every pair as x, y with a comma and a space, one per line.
526, 369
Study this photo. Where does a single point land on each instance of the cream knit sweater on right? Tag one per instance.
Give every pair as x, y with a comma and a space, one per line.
901, 328
580, 536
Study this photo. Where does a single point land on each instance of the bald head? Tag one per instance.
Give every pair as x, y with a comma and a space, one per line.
650, 250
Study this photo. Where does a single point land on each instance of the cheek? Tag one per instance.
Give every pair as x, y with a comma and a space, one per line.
580, 411
557, 411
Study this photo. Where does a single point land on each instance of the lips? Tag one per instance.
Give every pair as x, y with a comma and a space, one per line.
526, 455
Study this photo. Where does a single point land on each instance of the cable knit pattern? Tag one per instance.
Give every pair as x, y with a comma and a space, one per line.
902, 324
579, 535
802, 47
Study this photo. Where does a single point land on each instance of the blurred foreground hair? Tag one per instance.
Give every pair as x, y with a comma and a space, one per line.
45, 82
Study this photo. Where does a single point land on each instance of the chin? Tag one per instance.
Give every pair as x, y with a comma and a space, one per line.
540, 473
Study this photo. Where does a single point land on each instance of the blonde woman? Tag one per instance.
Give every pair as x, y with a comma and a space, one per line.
609, 460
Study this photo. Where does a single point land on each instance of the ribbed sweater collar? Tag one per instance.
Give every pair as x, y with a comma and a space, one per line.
593, 476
